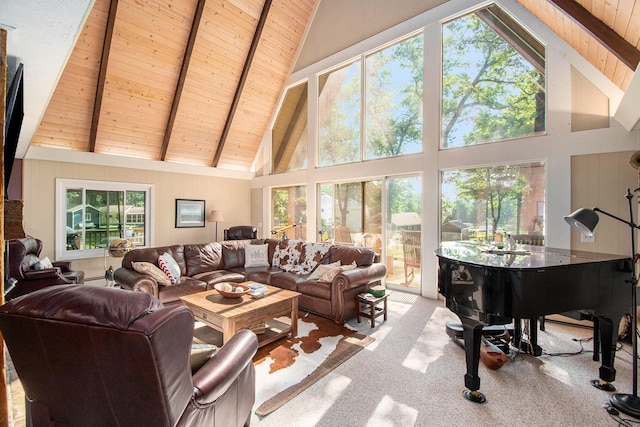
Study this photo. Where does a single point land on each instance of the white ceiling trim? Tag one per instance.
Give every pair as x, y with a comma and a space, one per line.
69, 156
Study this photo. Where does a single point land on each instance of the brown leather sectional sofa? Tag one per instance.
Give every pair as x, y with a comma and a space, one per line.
204, 265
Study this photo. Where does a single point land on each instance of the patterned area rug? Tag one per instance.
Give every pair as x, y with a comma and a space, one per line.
288, 366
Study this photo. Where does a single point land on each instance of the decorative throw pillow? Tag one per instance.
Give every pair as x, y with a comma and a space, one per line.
153, 271
44, 263
331, 274
256, 255
170, 267
322, 269
200, 354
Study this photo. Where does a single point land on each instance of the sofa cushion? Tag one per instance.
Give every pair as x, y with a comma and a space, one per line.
322, 269
152, 254
331, 274
186, 286
256, 255
348, 254
200, 258
233, 252
217, 276
153, 271
260, 274
286, 280
170, 267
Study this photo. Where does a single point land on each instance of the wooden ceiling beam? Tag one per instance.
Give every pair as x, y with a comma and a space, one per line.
623, 50
181, 78
241, 82
102, 76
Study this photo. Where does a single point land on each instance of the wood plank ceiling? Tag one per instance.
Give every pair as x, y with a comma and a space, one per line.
605, 32
197, 81
187, 81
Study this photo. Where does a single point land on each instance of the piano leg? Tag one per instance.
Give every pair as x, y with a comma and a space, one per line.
472, 334
608, 341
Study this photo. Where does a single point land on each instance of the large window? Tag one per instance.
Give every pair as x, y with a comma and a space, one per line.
91, 214
339, 116
289, 133
392, 112
485, 203
394, 100
493, 79
289, 212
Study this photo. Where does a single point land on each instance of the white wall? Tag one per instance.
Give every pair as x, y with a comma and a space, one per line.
229, 195
556, 148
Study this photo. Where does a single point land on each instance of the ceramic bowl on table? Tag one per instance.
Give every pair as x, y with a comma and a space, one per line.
236, 291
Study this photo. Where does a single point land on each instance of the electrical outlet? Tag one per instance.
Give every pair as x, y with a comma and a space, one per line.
588, 238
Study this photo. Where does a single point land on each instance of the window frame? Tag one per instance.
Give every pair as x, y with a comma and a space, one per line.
65, 184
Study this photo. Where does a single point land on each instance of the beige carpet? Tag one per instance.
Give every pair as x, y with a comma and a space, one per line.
289, 366
413, 375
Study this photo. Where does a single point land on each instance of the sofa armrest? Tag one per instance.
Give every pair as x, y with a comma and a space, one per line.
64, 266
130, 279
349, 279
214, 378
47, 273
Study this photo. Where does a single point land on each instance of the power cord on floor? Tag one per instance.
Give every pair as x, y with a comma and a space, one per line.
614, 414
582, 350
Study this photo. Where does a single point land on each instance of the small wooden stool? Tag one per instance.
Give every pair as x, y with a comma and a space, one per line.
368, 307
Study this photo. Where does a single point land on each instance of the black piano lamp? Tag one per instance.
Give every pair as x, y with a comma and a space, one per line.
586, 220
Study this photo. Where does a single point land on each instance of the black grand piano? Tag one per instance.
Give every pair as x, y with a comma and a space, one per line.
488, 286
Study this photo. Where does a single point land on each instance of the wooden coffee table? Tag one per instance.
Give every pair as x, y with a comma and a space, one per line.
229, 315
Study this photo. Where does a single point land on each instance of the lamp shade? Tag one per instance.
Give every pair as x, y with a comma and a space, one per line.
583, 219
215, 216
634, 161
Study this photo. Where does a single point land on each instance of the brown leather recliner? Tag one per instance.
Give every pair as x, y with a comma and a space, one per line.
94, 356
240, 232
23, 254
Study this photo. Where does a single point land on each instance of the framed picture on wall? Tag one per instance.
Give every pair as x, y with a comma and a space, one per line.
190, 213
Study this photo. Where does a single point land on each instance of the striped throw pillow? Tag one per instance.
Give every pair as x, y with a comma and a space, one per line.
170, 267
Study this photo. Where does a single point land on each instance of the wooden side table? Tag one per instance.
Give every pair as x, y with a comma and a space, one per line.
369, 307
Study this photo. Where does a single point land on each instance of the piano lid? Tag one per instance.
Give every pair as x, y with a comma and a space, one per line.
525, 257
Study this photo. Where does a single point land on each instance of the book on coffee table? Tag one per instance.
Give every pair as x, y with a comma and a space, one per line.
257, 290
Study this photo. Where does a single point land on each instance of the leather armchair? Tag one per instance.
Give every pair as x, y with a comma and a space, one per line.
98, 356
22, 255
240, 232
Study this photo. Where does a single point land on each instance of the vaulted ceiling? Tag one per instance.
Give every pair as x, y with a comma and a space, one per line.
196, 82
186, 81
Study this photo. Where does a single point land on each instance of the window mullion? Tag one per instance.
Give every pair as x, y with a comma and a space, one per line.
363, 106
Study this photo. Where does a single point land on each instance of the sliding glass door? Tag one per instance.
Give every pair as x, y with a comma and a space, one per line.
403, 253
